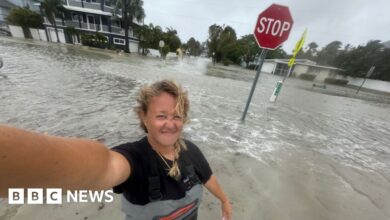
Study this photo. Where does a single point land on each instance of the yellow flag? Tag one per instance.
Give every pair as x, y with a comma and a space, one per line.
299, 44
298, 47
291, 62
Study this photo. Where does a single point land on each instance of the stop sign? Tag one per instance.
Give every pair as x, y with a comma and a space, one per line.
273, 26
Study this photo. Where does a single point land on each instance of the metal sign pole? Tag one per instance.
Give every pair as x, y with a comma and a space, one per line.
278, 87
287, 74
262, 57
367, 76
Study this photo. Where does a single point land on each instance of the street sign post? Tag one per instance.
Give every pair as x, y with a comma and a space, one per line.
278, 87
272, 28
161, 44
369, 73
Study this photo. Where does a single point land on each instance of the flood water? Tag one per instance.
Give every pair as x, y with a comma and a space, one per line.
68, 91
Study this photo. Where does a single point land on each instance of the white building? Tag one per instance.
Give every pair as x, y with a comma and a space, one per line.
302, 66
91, 17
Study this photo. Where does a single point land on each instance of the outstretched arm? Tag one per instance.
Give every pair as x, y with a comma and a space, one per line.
213, 186
29, 159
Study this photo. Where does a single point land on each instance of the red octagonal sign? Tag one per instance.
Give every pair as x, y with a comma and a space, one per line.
273, 26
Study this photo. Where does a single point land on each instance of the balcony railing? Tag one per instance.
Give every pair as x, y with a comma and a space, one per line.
91, 5
74, 3
91, 27
72, 23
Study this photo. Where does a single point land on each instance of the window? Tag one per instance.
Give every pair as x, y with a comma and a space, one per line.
75, 17
119, 41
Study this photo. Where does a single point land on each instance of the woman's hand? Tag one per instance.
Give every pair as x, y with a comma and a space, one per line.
213, 186
226, 210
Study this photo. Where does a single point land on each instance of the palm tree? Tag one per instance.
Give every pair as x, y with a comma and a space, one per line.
129, 9
51, 8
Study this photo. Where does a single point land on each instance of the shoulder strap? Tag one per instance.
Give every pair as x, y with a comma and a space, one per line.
153, 176
189, 168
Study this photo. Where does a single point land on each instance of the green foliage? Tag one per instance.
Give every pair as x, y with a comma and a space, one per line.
151, 36
128, 9
193, 47
310, 53
87, 39
165, 50
222, 42
278, 53
342, 82
246, 49
226, 62
306, 76
52, 9
357, 61
171, 39
328, 54
71, 30
25, 18
98, 40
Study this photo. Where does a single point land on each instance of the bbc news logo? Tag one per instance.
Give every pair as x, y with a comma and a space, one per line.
55, 196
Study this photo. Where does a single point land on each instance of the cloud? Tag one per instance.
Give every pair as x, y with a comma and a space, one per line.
349, 21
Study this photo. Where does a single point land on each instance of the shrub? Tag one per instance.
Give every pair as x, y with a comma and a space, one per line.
336, 81
98, 40
306, 76
24, 17
71, 30
252, 66
101, 40
226, 62
87, 40
164, 51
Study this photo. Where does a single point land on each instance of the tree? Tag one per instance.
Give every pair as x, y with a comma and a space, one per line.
145, 38
228, 40
51, 9
171, 39
357, 61
151, 36
221, 42
213, 41
25, 18
129, 9
278, 53
312, 49
193, 47
246, 49
310, 53
328, 54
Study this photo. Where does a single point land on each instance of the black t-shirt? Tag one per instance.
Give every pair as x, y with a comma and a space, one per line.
139, 154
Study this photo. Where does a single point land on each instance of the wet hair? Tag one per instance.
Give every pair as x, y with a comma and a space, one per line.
147, 93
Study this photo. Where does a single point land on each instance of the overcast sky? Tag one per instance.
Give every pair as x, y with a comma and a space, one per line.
349, 21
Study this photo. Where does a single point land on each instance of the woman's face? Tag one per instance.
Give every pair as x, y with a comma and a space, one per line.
162, 121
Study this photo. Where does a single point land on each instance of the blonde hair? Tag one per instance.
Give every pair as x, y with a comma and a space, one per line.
147, 93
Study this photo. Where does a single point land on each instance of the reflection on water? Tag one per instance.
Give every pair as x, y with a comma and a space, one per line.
65, 90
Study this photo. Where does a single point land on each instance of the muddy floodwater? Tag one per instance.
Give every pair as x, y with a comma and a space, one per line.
314, 154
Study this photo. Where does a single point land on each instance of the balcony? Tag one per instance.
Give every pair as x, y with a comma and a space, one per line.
90, 5
91, 27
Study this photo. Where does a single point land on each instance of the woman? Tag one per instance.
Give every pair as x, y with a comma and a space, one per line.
160, 176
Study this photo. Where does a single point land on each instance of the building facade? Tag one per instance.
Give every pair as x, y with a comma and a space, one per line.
5, 7
302, 66
89, 17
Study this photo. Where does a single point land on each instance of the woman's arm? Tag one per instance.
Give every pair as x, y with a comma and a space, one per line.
29, 159
213, 186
